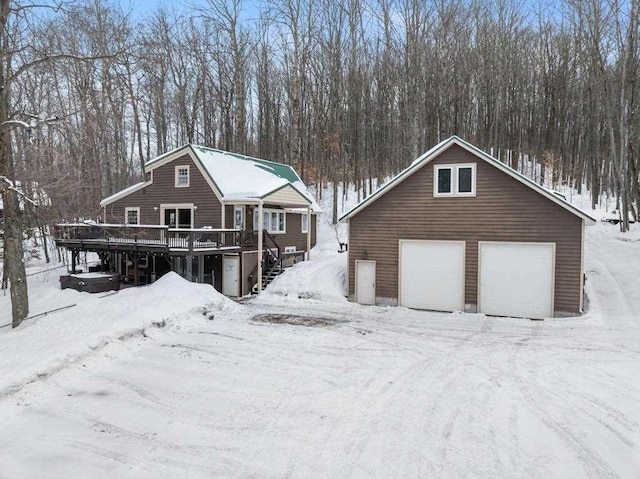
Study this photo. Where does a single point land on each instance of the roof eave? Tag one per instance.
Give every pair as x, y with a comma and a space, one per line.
433, 152
123, 193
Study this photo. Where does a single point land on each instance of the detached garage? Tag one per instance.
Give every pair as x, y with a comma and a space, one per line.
460, 231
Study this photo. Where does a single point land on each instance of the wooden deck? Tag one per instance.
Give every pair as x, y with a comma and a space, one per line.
151, 238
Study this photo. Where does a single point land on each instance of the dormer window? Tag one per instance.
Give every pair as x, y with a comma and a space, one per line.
454, 180
182, 176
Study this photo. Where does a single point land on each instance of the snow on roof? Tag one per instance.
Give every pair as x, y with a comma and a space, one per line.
122, 193
442, 146
239, 177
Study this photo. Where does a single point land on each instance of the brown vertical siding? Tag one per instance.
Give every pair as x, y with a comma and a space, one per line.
228, 216
502, 210
163, 191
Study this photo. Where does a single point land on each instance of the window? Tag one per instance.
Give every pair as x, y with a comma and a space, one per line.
177, 216
304, 222
273, 221
238, 217
465, 179
444, 180
182, 176
455, 180
132, 216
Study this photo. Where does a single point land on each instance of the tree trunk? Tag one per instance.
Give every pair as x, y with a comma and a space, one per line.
13, 258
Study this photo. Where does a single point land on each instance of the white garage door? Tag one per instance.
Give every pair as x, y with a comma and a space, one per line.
432, 275
516, 279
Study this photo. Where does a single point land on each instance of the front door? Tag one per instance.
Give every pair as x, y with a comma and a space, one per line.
231, 276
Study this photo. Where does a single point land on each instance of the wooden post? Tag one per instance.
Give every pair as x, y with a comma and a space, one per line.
135, 257
201, 268
189, 268
308, 232
260, 226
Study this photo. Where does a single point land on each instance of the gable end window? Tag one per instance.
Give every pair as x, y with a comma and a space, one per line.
132, 216
182, 176
454, 180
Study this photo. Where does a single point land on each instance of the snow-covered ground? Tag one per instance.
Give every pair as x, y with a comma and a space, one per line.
174, 380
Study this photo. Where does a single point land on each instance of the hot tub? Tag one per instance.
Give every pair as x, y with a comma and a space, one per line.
91, 282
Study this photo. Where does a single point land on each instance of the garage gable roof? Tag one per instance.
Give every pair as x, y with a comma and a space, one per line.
444, 145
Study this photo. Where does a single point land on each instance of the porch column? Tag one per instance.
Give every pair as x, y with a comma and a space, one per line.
201, 268
189, 265
135, 257
308, 232
260, 226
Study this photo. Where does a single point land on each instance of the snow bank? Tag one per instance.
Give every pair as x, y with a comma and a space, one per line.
323, 278
42, 346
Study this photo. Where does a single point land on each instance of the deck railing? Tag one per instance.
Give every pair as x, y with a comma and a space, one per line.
153, 236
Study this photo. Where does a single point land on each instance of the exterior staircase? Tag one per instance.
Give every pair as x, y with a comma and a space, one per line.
273, 267
275, 262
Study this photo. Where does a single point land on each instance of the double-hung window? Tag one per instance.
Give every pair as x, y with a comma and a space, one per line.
454, 180
132, 216
182, 176
304, 222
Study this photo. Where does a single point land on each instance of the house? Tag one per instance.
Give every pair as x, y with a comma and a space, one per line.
209, 215
460, 231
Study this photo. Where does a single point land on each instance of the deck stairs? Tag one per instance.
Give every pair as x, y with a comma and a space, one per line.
275, 267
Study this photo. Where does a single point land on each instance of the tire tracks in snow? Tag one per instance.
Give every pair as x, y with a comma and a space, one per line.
594, 466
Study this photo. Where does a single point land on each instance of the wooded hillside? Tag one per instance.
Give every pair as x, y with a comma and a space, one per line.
344, 91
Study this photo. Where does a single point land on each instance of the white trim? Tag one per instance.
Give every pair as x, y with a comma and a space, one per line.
178, 153
261, 220
536, 243
126, 192
177, 176
175, 206
375, 272
582, 269
464, 265
455, 180
309, 230
243, 217
260, 247
436, 175
348, 262
439, 148
302, 216
126, 214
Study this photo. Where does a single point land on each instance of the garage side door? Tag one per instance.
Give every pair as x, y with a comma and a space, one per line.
432, 275
516, 279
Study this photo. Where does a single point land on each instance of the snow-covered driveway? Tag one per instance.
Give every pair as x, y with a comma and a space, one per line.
360, 392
